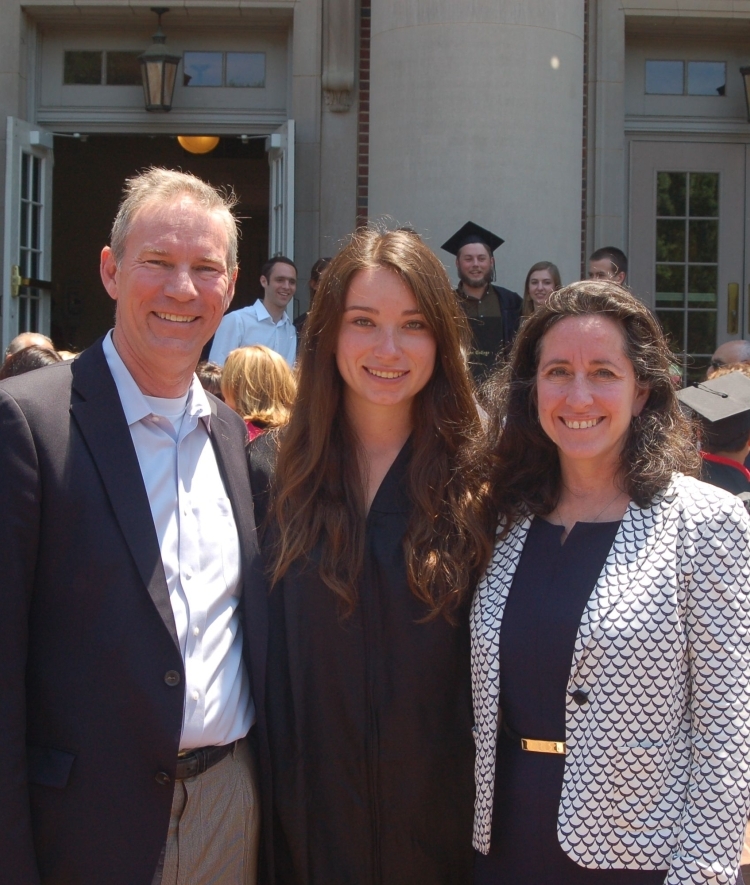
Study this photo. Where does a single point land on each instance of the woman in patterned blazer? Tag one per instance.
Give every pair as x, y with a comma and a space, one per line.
611, 632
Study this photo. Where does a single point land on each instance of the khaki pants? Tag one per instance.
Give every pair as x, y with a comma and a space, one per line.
214, 827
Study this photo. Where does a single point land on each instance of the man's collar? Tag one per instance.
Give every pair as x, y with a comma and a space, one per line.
262, 313
134, 403
462, 294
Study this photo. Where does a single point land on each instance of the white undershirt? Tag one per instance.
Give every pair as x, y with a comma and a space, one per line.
200, 552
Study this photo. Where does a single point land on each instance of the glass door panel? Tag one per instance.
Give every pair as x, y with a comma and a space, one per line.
687, 258
686, 242
28, 231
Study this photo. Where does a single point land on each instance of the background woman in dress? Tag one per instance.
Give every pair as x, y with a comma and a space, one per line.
611, 631
542, 280
376, 536
259, 385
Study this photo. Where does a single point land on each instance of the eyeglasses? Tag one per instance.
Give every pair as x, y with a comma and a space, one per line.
716, 364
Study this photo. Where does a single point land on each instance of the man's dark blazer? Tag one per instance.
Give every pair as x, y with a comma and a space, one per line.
89, 722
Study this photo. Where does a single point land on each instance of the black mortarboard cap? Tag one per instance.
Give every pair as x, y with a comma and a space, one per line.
723, 405
472, 233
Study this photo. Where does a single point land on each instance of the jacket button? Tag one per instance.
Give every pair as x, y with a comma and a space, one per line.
172, 677
580, 697
163, 779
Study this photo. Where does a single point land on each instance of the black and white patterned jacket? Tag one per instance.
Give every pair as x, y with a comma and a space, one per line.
657, 772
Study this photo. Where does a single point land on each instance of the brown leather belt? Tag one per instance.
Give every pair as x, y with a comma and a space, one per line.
195, 762
531, 745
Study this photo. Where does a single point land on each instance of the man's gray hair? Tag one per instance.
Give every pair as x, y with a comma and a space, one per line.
157, 185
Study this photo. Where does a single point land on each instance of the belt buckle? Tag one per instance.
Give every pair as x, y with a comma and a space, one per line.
531, 746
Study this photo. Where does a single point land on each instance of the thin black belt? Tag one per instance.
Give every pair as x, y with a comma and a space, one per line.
533, 746
197, 761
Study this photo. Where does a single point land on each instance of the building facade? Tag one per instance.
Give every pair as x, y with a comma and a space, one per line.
561, 126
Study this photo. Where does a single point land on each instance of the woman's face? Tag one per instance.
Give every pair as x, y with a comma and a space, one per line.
385, 350
587, 392
541, 286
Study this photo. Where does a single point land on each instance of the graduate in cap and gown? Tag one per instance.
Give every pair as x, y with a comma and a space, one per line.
493, 312
723, 408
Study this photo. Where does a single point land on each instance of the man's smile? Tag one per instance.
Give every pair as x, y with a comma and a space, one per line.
175, 317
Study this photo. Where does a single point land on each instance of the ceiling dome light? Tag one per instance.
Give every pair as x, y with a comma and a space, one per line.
198, 144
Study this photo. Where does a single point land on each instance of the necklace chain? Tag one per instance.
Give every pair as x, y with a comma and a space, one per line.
594, 519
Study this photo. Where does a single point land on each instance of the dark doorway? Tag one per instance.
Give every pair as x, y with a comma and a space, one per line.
87, 185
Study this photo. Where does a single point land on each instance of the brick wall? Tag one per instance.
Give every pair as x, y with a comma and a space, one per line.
585, 138
363, 121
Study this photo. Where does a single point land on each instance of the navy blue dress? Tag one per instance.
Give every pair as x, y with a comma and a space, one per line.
550, 589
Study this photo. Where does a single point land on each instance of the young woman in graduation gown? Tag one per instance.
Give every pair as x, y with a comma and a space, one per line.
374, 537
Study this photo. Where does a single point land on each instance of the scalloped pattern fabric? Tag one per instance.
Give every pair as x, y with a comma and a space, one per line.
657, 773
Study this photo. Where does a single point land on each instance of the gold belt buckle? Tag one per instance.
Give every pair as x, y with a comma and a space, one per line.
531, 746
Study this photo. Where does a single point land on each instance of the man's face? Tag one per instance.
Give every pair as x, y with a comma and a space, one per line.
603, 269
279, 287
172, 285
475, 265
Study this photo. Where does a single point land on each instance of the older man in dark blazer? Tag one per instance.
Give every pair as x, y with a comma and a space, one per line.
132, 635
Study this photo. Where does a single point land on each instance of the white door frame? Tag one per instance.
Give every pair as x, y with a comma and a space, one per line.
280, 147
22, 258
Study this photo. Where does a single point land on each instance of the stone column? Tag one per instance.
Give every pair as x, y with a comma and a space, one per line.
338, 162
476, 113
339, 19
305, 109
606, 204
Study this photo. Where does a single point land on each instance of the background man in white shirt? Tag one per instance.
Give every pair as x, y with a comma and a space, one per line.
132, 642
266, 321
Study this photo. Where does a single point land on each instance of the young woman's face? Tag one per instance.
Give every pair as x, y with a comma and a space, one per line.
541, 286
587, 391
385, 350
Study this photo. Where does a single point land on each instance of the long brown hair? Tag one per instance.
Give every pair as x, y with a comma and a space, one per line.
318, 496
526, 467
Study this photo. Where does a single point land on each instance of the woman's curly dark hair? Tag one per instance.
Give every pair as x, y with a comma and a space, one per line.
525, 464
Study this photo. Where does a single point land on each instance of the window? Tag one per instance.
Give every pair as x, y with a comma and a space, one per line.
123, 69
686, 78
707, 78
247, 69
202, 68
30, 240
84, 67
687, 256
665, 77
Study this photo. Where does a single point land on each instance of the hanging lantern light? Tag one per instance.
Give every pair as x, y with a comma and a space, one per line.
158, 69
745, 72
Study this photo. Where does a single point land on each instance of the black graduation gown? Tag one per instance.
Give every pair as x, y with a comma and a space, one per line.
726, 475
369, 721
493, 336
